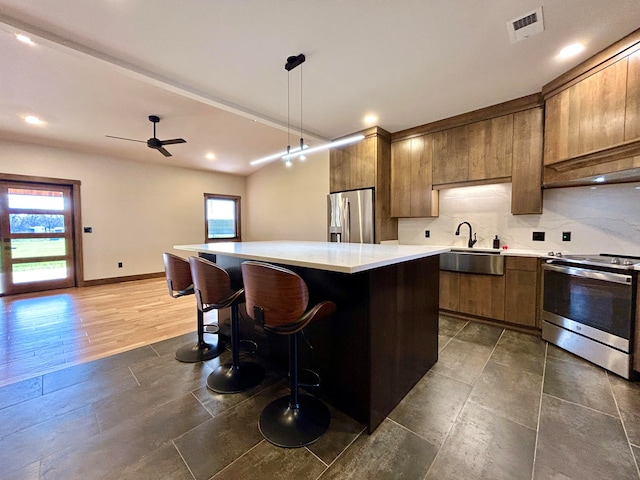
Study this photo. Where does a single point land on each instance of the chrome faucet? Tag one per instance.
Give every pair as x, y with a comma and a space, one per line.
472, 236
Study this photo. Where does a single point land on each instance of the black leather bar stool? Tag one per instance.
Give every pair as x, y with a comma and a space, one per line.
279, 298
180, 283
213, 291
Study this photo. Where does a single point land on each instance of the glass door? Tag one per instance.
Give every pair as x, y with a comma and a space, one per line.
37, 237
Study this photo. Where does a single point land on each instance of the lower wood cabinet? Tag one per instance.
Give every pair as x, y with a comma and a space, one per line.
511, 298
449, 290
482, 295
521, 291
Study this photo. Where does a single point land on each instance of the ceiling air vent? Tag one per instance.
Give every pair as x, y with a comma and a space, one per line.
529, 24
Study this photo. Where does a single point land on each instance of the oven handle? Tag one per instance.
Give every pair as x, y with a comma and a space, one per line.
595, 274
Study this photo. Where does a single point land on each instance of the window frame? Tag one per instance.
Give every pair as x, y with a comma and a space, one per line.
216, 196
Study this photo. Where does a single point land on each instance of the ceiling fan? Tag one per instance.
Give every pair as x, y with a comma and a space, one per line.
153, 142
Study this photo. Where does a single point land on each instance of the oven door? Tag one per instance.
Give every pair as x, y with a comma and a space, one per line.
593, 303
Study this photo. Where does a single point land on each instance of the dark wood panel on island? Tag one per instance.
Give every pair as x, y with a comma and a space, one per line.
382, 339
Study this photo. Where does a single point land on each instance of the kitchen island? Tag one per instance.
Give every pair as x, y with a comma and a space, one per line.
384, 335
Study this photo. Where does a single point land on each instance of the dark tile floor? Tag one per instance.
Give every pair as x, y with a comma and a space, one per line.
497, 405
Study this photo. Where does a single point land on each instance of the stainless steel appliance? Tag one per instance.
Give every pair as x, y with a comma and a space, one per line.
350, 216
589, 305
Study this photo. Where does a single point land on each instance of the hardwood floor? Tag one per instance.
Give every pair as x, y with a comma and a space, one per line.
47, 331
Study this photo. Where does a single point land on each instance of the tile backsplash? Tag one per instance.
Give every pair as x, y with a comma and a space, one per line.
604, 218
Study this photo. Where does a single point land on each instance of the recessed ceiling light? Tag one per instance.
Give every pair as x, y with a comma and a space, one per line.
210, 156
571, 50
370, 119
599, 179
24, 39
33, 120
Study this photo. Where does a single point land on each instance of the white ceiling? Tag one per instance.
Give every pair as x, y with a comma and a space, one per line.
213, 70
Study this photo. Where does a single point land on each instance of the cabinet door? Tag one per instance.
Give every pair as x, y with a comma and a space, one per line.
339, 171
526, 174
449, 290
490, 148
401, 178
451, 155
587, 116
411, 186
632, 110
362, 163
521, 291
482, 295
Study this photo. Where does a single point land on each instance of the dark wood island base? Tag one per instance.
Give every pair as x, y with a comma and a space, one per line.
382, 339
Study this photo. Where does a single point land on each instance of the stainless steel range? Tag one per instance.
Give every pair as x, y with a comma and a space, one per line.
588, 307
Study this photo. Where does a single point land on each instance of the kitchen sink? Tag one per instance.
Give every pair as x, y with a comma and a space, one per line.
469, 261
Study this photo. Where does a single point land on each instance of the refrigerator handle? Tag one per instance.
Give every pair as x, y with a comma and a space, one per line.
346, 227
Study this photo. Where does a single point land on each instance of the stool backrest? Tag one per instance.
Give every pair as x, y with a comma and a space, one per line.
280, 293
211, 282
178, 274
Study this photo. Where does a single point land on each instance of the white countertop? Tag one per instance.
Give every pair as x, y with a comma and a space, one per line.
335, 257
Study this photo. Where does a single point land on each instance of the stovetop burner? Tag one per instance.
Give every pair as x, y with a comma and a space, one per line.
611, 260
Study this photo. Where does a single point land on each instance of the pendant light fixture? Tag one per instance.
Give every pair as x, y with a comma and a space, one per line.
302, 150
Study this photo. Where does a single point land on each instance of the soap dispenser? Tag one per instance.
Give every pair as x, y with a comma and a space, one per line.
496, 242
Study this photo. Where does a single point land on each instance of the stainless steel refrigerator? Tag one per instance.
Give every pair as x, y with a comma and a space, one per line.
351, 216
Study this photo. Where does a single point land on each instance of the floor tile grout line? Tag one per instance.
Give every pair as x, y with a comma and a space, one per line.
483, 407
411, 431
316, 456
182, 458
134, 376
535, 446
488, 359
581, 405
344, 450
237, 459
624, 428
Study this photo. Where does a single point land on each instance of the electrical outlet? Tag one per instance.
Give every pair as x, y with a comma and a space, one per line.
88, 230
566, 236
119, 264
427, 234
538, 236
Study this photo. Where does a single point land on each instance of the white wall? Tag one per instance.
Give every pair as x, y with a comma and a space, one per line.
289, 203
136, 210
601, 219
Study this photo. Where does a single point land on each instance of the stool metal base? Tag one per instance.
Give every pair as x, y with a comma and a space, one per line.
199, 352
230, 379
291, 428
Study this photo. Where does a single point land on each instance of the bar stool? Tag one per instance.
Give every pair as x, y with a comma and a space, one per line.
278, 298
213, 291
180, 283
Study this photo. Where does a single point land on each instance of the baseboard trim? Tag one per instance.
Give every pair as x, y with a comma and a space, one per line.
130, 278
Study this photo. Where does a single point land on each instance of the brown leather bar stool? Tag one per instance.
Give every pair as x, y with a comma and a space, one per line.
180, 283
213, 291
279, 298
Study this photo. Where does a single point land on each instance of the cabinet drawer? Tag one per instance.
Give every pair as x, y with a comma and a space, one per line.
529, 264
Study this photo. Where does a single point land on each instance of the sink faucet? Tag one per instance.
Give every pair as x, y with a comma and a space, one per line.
472, 236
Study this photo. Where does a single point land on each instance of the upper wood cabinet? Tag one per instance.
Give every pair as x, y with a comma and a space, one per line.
353, 166
367, 164
451, 155
411, 178
592, 116
526, 171
587, 116
490, 148
475, 152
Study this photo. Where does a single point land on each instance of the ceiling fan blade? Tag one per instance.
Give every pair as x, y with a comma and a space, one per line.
129, 139
164, 151
172, 141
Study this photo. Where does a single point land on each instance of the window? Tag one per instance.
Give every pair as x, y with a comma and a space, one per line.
222, 218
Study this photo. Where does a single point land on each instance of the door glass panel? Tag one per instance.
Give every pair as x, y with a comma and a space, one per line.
39, 271
35, 199
38, 247
30, 223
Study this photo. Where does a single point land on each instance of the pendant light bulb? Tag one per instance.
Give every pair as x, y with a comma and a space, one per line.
287, 162
287, 157
302, 157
